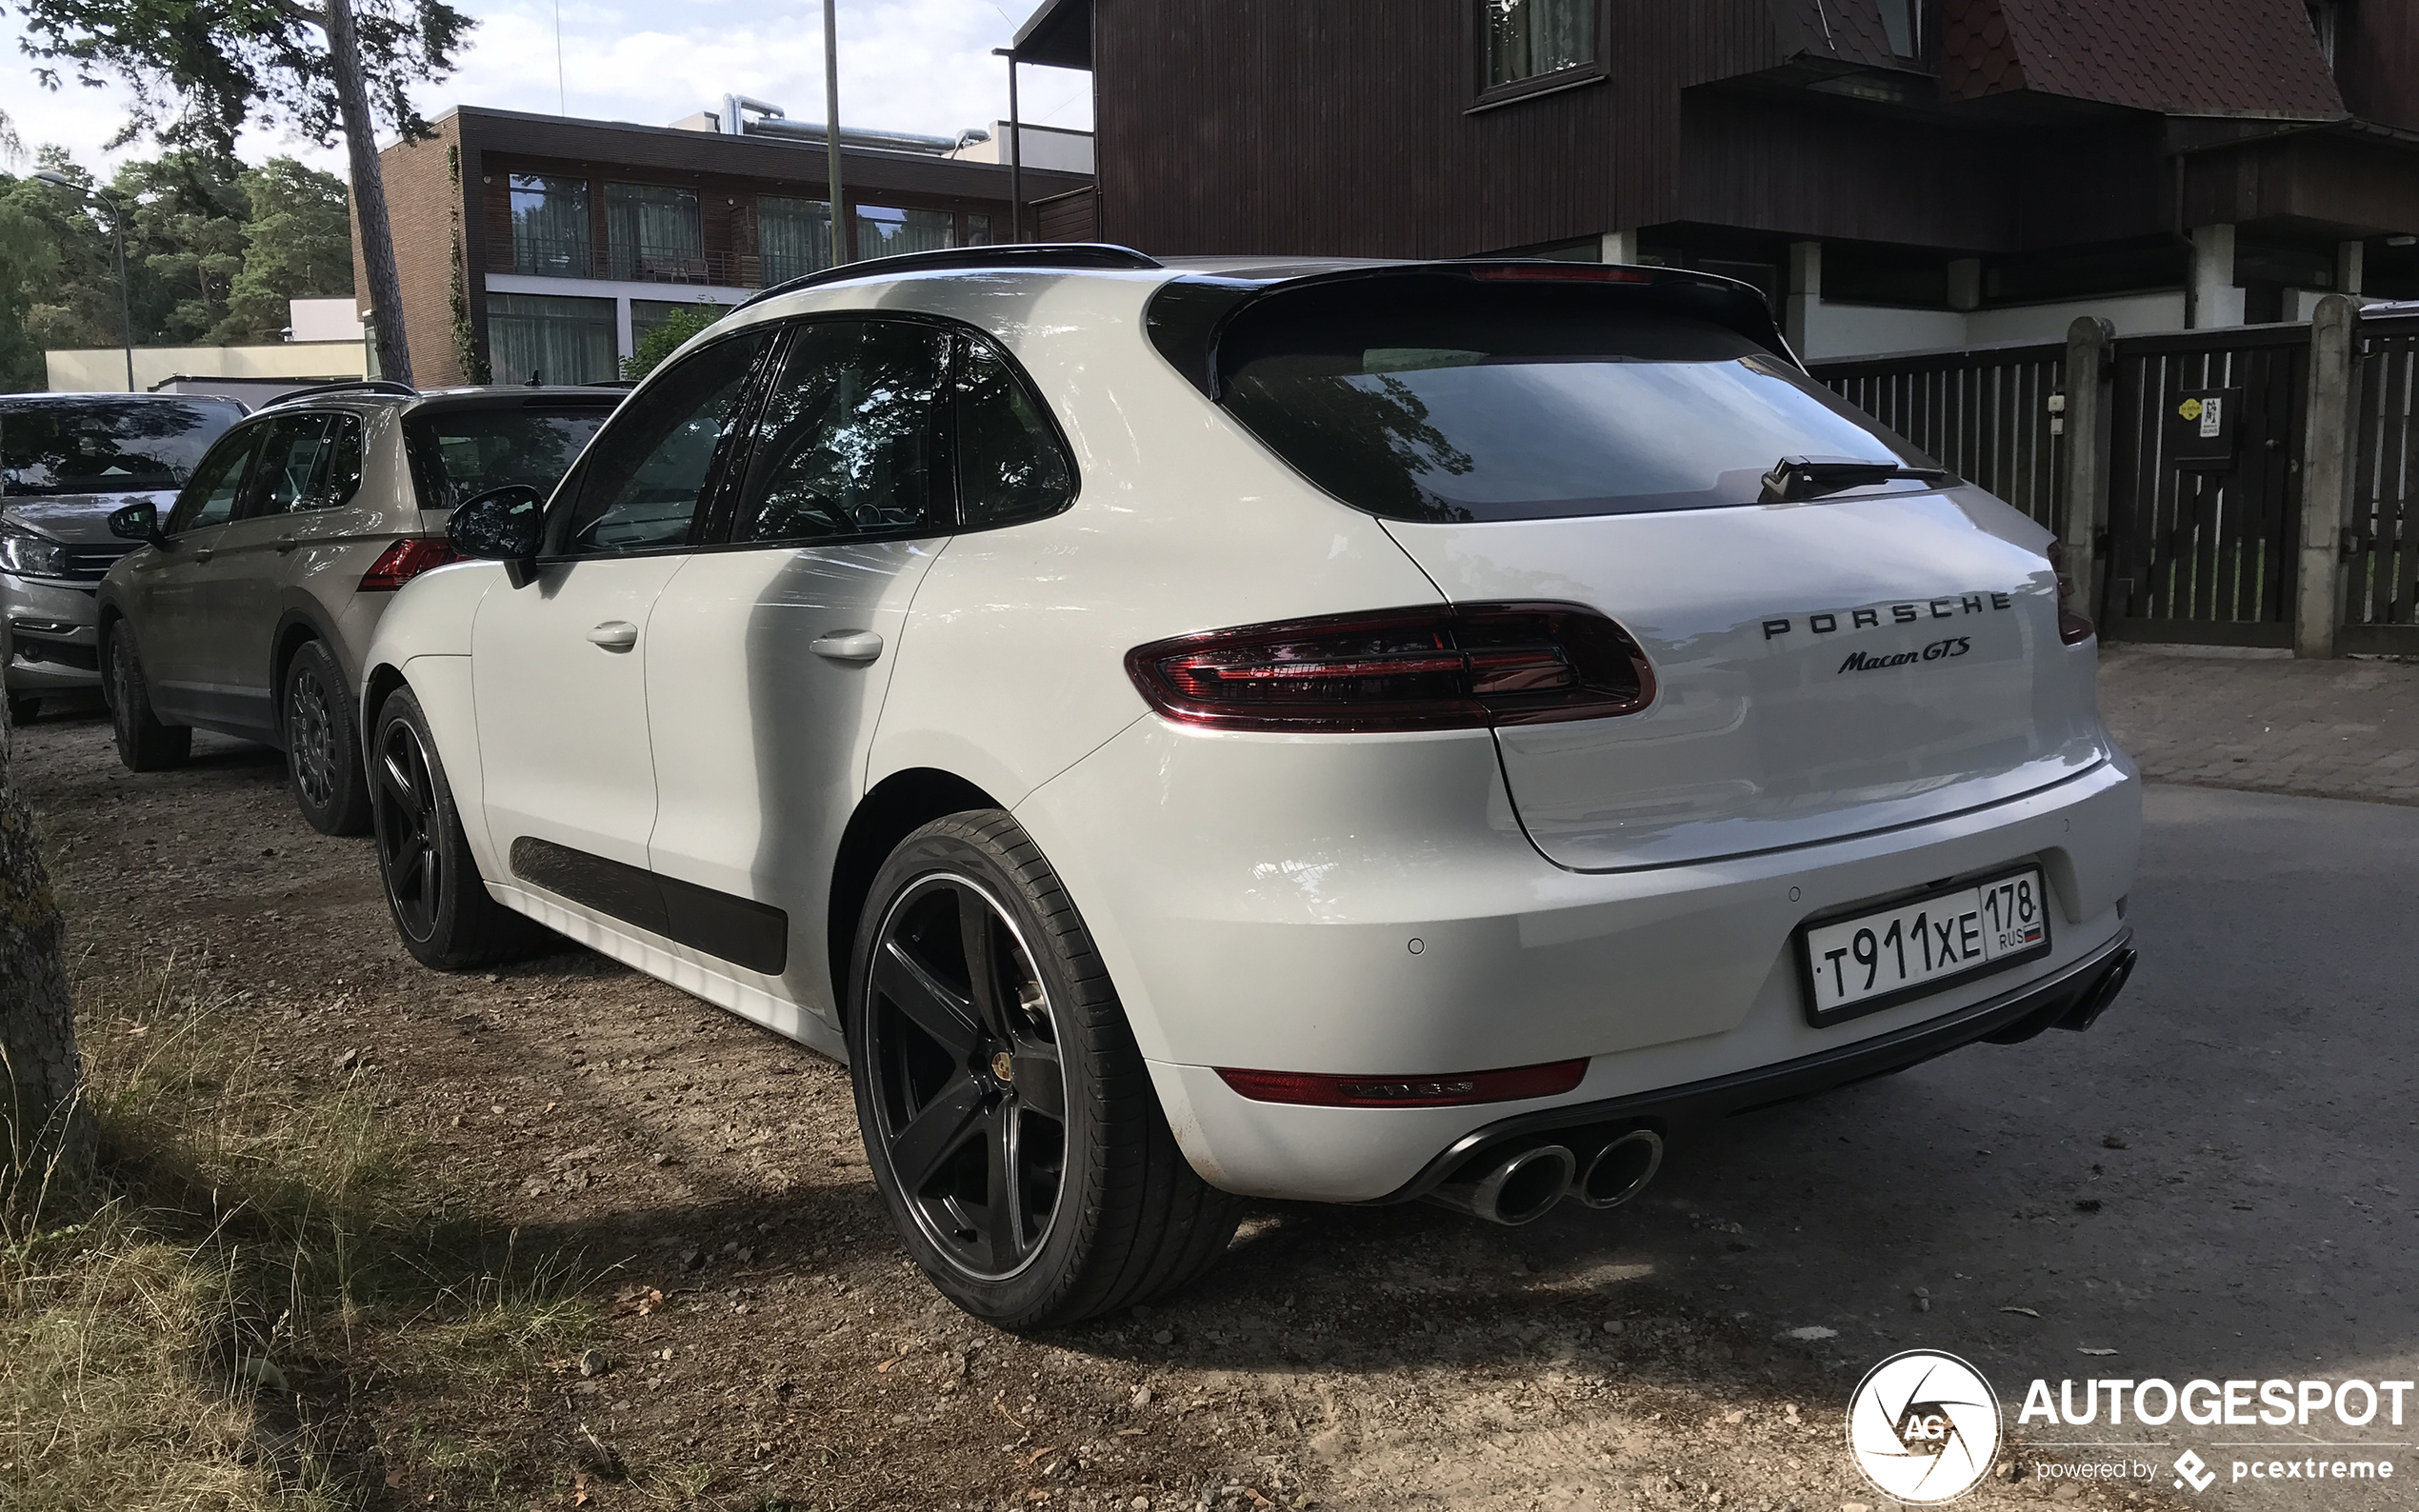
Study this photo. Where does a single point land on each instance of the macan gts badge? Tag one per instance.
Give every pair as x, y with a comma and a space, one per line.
1352, 732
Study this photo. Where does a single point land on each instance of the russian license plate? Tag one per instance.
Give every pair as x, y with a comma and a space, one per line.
1866, 962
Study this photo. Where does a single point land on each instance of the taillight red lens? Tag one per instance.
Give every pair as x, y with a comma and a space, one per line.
405, 560
1310, 1088
1400, 669
2073, 628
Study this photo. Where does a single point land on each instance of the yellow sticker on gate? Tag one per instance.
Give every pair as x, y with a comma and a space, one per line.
2190, 410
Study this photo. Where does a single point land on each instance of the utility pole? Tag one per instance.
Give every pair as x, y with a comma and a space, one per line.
1015, 152
841, 250
117, 234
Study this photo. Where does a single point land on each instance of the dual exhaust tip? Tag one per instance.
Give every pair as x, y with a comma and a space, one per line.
1524, 1184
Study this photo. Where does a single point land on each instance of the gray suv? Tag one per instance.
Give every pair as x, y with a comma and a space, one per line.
67, 463
249, 609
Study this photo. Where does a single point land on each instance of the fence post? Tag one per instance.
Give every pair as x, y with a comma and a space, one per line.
2327, 470
2086, 432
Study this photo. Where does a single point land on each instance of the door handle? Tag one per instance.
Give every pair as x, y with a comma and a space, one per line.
201, 553
614, 635
848, 645
286, 543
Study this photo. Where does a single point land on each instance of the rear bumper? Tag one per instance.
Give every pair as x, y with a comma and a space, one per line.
2068, 997
46, 639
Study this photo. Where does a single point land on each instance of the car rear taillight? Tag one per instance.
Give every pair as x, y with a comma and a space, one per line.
1470, 667
405, 560
2074, 627
1315, 1089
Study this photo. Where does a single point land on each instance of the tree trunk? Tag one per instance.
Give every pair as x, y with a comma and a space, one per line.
368, 193
46, 1132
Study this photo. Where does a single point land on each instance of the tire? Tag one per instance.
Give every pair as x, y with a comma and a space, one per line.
144, 743
323, 749
24, 708
440, 905
954, 1087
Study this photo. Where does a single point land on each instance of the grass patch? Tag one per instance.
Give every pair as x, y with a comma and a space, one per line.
209, 1327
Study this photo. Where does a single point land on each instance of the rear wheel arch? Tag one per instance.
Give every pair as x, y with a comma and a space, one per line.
294, 630
896, 807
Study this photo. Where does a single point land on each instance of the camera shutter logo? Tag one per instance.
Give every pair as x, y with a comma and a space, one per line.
1924, 1427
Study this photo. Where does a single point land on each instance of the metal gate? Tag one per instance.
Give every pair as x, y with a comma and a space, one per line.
2381, 543
1984, 413
2205, 489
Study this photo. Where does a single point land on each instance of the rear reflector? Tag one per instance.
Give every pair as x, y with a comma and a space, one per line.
405, 560
1470, 667
1312, 1089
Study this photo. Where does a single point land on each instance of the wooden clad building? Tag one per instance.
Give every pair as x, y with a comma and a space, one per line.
1897, 174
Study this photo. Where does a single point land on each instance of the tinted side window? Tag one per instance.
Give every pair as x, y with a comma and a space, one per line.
1009, 465
848, 441
640, 485
209, 499
287, 465
340, 476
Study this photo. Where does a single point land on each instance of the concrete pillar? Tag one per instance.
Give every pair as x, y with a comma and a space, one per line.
2089, 379
2330, 437
2218, 300
1618, 246
1965, 284
1806, 296
2351, 267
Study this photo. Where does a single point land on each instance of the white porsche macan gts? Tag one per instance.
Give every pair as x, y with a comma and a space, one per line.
1333, 730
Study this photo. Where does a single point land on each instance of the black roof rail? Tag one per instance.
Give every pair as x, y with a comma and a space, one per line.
374, 385
1020, 254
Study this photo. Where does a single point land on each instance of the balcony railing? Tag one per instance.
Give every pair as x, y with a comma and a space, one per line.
566, 258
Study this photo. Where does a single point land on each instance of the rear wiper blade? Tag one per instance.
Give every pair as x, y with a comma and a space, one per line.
1795, 478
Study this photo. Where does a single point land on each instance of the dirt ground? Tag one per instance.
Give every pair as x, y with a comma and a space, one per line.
1340, 1357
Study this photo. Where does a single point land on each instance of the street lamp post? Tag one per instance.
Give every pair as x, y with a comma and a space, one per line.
117, 234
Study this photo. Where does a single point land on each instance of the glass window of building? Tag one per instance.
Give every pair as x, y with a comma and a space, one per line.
653, 232
550, 338
978, 231
551, 233
884, 232
793, 236
1528, 39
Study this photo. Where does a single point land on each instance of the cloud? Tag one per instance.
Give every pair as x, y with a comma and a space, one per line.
921, 65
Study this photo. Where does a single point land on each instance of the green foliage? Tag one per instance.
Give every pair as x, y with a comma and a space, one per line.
671, 336
298, 245
201, 69
214, 250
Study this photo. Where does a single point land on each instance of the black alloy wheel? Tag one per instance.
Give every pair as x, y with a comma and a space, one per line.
322, 758
1016, 1140
404, 802
968, 1094
144, 743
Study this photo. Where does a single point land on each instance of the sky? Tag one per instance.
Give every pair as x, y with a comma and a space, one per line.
921, 65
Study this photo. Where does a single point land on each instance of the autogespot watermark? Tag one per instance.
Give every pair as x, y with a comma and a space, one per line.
1923, 1428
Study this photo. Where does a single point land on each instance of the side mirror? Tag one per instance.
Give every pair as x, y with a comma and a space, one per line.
503, 524
138, 522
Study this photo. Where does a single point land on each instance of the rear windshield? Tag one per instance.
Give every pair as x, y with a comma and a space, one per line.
1527, 403
459, 454
105, 445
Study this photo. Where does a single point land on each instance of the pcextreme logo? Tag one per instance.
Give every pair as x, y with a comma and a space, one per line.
1923, 1427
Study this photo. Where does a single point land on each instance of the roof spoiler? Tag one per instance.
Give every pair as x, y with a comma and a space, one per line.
1189, 315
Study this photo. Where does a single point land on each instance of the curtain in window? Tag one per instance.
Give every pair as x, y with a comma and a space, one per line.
563, 340
549, 226
794, 237
1526, 38
654, 232
888, 232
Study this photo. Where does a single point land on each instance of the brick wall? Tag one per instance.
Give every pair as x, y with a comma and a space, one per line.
422, 195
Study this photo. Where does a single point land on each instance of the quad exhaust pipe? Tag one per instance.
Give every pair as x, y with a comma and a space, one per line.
1524, 1184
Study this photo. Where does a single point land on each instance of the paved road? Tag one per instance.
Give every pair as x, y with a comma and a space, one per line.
2257, 1222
